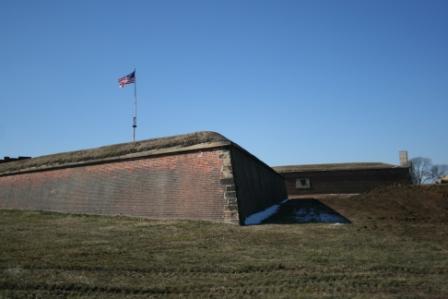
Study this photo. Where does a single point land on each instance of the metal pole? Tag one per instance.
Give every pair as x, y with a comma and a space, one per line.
134, 120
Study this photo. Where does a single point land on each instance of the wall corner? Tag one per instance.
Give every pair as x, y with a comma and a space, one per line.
231, 214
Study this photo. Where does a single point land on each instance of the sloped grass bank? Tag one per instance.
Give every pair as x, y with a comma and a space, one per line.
49, 255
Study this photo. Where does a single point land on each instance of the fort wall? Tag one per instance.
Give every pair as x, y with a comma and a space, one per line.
201, 176
258, 186
186, 186
344, 181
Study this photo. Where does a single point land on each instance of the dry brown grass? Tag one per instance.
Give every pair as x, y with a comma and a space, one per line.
385, 253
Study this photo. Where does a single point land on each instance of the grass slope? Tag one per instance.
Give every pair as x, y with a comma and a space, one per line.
396, 247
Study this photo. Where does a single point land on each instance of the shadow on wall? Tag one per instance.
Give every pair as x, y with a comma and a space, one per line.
305, 211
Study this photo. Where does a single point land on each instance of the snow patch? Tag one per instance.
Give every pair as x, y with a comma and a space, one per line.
305, 215
259, 217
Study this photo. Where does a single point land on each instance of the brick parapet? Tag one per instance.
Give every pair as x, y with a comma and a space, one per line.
125, 157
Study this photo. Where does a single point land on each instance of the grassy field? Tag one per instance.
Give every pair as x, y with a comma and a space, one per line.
396, 247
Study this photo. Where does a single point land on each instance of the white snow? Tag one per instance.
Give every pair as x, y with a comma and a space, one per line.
258, 217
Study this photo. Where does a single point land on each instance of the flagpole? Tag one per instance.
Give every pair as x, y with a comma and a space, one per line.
134, 119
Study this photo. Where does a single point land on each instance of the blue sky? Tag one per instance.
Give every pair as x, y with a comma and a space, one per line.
293, 82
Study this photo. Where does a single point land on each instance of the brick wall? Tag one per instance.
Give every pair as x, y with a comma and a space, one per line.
185, 185
346, 181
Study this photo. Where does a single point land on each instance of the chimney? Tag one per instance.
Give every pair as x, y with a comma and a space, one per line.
404, 161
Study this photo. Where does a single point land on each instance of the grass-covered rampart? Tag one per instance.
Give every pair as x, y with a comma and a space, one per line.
395, 250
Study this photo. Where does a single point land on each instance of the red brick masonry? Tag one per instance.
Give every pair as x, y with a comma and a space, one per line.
200, 175
186, 185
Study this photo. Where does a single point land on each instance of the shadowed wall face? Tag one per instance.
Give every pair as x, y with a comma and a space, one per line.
258, 186
188, 186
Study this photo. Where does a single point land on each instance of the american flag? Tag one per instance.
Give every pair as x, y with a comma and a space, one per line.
128, 79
